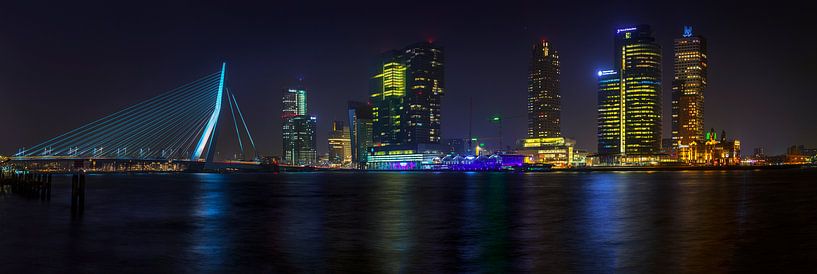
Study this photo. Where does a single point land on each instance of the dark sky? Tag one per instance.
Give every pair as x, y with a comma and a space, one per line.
66, 63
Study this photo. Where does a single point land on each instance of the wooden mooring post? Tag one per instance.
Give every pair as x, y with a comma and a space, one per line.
77, 194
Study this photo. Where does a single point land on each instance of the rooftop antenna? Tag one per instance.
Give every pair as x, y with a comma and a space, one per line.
470, 119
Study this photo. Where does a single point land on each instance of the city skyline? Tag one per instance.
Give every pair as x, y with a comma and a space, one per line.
753, 128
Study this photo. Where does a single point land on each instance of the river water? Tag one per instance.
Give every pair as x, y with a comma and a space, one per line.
413, 222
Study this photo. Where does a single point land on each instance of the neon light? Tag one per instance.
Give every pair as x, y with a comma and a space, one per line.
687, 31
606, 72
626, 29
211, 125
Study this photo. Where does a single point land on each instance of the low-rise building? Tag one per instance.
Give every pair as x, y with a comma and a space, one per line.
556, 151
711, 151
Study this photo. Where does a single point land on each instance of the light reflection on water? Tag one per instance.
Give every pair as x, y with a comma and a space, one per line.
210, 238
421, 222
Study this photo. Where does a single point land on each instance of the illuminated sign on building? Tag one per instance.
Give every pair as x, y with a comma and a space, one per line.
606, 72
626, 29
687, 31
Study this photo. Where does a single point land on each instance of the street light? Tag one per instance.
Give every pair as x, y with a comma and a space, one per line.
497, 119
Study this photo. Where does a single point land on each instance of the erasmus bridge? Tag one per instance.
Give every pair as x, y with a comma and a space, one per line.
180, 125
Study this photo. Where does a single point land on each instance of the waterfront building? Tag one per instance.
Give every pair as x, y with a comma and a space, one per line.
580, 158
544, 98
360, 131
406, 93
800, 154
556, 151
610, 126
405, 157
387, 97
629, 99
688, 86
340, 145
712, 150
425, 86
481, 163
299, 140
298, 128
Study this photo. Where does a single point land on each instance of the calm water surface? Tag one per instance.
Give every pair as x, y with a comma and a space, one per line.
695, 221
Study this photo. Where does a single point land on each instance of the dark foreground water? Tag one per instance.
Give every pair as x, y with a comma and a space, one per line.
697, 221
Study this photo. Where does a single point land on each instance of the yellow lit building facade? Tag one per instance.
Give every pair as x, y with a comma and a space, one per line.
340, 145
629, 99
556, 151
711, 150
387, 103
688, 85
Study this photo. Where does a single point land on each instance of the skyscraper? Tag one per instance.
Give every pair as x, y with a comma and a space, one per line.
299, 140
425, 86
360, 131
340, 144
294, 102
387, 97
609, 113
406, 95
544, 98
635, 95
688, 85
298, 130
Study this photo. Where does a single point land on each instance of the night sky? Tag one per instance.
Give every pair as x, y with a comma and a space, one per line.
66, 63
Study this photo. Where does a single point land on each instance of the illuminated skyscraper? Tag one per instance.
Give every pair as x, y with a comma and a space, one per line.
609, 114
425, 86
635, 95
387, 97
299, 140
360, 131
298, 130
294, 102
688, 85
406, 94
340, 144
544, 98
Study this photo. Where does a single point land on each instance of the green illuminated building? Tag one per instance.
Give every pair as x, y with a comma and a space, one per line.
406, 92
298, 128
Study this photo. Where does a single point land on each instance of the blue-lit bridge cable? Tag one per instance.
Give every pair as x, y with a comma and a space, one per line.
101, 121
88, 130
153, 135
187, 125
235, 124
188, 141
245, 124
144, 130
131, 122
93, 139
178, 129
99, 138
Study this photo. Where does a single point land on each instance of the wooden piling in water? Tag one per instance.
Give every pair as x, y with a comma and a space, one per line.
74, 193
48, 188
81, 193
